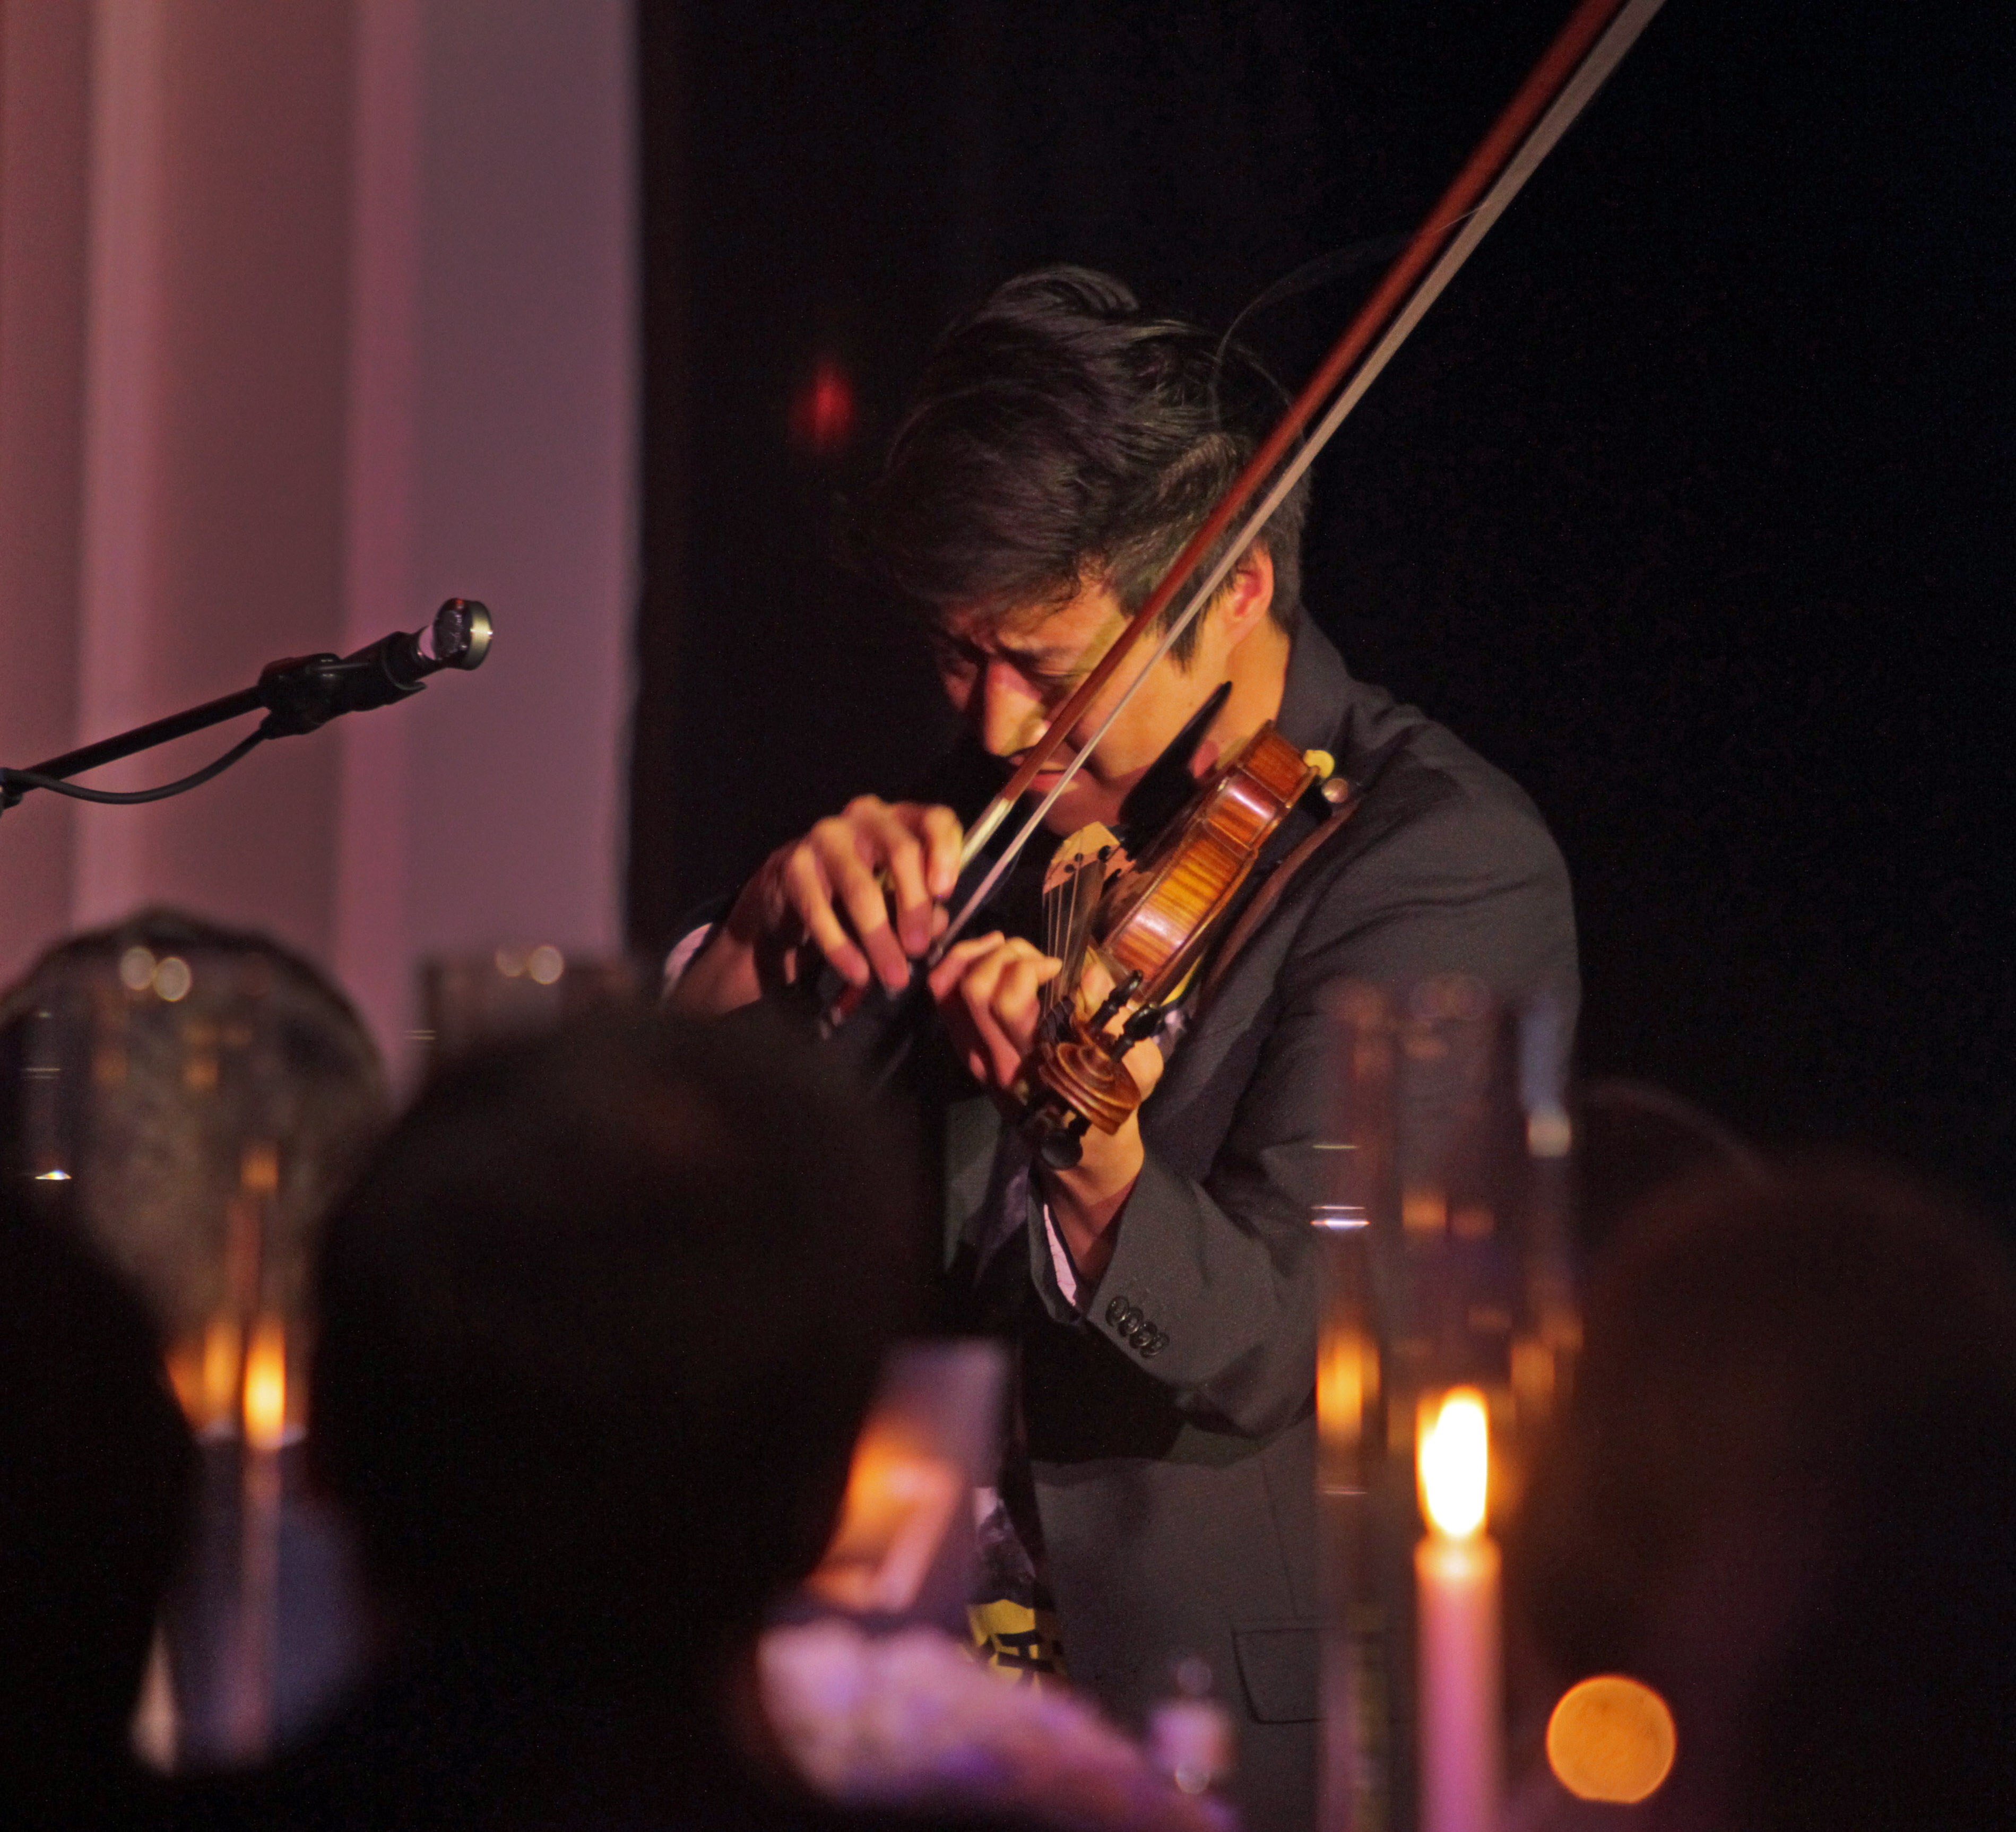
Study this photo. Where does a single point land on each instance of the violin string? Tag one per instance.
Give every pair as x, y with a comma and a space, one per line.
1059, 912
1069, 939
1080, 936
1603, 57
1067, 911
1066, 948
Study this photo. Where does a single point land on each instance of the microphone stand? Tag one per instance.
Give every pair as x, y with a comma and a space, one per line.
298, 694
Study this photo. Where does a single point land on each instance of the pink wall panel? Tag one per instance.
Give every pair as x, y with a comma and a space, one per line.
44, 76
525, 454
254, 366
311, 315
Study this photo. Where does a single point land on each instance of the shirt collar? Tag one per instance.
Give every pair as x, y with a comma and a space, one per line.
1314, 698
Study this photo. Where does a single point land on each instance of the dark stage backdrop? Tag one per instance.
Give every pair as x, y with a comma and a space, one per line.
1690, 505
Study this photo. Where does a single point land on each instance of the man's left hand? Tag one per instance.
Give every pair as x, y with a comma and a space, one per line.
987, 992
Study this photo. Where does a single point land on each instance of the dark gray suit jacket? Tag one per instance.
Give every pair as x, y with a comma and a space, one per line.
1170, 1422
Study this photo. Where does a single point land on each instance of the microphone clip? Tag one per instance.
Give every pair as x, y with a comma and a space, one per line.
303, 693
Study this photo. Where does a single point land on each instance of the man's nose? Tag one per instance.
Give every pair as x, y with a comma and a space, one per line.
1005, 715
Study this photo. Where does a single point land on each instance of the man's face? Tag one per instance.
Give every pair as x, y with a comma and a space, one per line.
1009, 675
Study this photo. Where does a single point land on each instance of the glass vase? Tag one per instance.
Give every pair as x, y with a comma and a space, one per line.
1447, 1338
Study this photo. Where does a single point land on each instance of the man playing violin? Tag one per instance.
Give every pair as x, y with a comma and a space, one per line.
1062, 447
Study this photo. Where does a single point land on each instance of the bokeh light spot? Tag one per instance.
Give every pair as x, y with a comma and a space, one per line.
1612, 1739
823, 411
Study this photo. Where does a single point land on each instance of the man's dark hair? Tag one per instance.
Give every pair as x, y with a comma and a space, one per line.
1060, 435
598, 1327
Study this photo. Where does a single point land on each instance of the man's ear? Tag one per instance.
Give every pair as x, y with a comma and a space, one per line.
1247, 598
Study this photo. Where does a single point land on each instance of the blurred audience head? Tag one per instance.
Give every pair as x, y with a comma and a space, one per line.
95, 1469
598, 1325
172, 1069
1632, 1140
1784, 1497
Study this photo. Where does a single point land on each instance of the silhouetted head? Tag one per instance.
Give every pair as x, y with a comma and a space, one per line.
95, 1469
598, 1326
1633, 1142
1783, 1497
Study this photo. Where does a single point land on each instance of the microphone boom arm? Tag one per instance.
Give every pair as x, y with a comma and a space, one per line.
297, 694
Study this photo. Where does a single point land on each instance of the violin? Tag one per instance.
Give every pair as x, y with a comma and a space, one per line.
1155, 920
1150, 927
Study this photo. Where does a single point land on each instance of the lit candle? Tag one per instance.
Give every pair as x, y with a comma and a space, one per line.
1456, 1590
264, 1413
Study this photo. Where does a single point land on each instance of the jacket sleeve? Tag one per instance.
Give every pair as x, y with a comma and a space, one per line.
1212, 1289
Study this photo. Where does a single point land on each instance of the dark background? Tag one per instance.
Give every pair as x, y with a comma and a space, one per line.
1689, 504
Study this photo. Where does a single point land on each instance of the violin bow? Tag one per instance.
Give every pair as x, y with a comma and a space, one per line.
1587, 49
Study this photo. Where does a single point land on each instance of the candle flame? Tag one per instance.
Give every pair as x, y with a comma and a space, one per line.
1454, 1460
266, 1386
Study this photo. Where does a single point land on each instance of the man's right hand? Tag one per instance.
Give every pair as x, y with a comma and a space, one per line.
865, 891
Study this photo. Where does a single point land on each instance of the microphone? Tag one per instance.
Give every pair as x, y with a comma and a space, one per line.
302, 692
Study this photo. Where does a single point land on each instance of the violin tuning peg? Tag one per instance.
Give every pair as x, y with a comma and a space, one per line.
1061, 1150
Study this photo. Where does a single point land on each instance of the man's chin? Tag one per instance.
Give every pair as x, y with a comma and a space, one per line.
1079, 806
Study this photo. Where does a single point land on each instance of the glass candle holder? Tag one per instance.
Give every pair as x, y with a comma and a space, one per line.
191, 1111
469, 999
1448, 1335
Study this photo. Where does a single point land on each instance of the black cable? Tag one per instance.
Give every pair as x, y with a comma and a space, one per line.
31, 780
1338, 264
